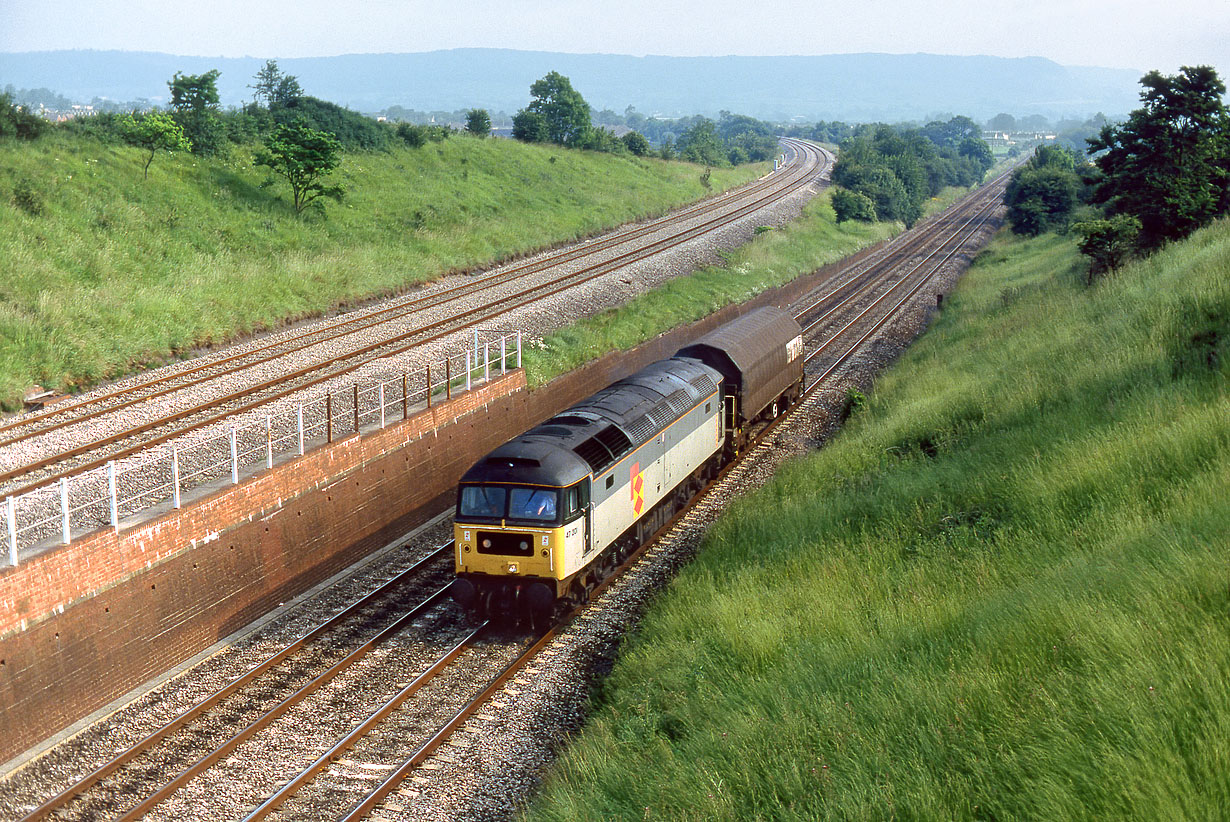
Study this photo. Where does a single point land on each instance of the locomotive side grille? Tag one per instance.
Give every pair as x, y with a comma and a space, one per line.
679, 402
662, 415
604, 448
614, 439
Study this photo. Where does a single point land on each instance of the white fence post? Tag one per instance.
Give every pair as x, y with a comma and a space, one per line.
115, 502
518, 349
174, 475
234, 459
64, 509
269, 441
300, 412
487, 362
503, 354
476, 343
469, 369
381, 405
12, 510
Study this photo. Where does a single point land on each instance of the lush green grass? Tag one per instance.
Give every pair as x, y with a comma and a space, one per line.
117, 272
1002, 593
773, 258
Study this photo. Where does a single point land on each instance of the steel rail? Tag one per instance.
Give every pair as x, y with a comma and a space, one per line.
353, 324
252, 728
365, 354
65, 796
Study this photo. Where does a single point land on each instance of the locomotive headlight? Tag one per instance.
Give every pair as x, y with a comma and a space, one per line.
524, 546
486, 543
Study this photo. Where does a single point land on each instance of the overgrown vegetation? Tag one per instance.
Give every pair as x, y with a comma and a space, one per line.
106, 273
1158, 176
896, 170
999, 594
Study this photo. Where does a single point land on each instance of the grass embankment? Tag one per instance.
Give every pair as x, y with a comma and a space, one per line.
105, 272
1001, 593
773, 258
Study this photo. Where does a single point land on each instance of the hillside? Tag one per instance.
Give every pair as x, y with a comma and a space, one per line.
106, 272
1000, 593
849, 87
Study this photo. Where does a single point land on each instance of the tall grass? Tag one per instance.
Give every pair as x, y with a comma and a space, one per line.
1002, 593
105, 272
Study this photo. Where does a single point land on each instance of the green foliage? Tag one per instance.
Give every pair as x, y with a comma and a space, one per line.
636, 143
530, 127
274, 86
1000, 593
478, 122
16, 121
118, 275
700, 144
153, 132
852, 205
564, 111
354, 131
899, 169
27, 198
1108, 243
304, 156
194, 99
1169, 163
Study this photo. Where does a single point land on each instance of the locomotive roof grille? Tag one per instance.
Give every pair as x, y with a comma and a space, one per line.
604, 448
704, 384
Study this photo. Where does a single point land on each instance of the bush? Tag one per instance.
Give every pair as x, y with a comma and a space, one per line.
850, 205
15, 121
353, 130
27, 198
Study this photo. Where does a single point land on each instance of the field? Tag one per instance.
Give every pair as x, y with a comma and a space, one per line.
106, 272
1001, 593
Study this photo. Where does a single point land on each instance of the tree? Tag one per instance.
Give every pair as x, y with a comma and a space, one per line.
16, 121
530, 127
478, 122
154, 131
194, 98
562, 107
1108, 243
276, 87
700, 144
1002, 122
1169, 163
304, 156
636, 143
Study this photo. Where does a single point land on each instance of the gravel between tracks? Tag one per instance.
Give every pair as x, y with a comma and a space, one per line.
494, 763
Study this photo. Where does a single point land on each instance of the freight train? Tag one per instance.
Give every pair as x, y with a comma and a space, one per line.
545, 517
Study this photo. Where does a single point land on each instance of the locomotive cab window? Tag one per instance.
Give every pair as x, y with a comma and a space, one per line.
575, 500
482, 501
533, 504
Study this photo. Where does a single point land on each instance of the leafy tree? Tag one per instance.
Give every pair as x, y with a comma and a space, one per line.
562, 108
1169, 163
154, 131
1002, 122
851, 205
1040, 199
1108, 243
530, 127
700, 144
304, 156
636, 143
276, 87
194, 99
16, 121
478, 122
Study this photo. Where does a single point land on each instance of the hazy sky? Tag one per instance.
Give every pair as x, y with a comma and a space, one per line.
1137, 34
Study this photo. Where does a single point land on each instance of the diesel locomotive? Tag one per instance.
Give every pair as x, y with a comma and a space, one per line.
545, 517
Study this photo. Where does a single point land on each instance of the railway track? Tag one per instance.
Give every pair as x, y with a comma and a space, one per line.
839, 322
33, 450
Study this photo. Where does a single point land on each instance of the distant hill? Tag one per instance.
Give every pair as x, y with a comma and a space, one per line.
851, 87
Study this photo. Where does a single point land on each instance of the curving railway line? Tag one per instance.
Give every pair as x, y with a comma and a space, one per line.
331, 723
74, 436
